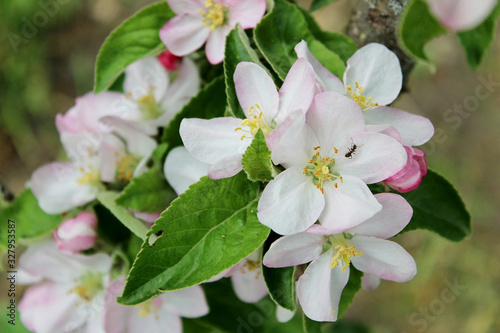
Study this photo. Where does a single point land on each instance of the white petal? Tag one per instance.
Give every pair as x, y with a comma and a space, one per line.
383, 258
290, 203
184, 34
461, 15
386, 130
185, 86
326, 80
348, 205
213, 140
376, 157
297, 92
189, 302
186, 6
182, 170
294, 250
137, 142
116, 316
56, 188
144, 74
415, 130
284, 315
320, 287
255, 87
370, 282
334, 119
248, 282
226, 167
216, 43
247, 13
293, 146
377, 70
161, 322
395, 215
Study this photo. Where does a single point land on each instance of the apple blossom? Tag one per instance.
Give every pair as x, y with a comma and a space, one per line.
329, 159
161, 314
209, 21
76, 234
154, 94
373, 79
460, 15
365, 246
410, 177
70, 295
221, 142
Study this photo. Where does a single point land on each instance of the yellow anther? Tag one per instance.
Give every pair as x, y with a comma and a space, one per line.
214, 15
237, 129
336, 185
317, 147
336, 150
254, 122
343, 253
365, 103
341, 179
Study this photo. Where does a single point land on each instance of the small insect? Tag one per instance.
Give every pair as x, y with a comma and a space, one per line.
352, 150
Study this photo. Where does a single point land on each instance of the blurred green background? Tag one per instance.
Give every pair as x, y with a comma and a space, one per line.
41, 76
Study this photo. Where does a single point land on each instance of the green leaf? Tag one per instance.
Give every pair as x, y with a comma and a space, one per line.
136, 38
209, 228
238, 49
327, 58
310, 326
281, 285
257, 160
438, 207
109, 228
30, 220
317, 4
5, 326
277, 34
417, 27
159, 155
477, 41
209, 103
149, 193
350, 290
107, 199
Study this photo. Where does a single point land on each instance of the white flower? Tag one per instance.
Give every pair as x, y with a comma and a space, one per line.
373, 79
459, 15
70, 295
329, 159
365, 246
221, 142
161, 314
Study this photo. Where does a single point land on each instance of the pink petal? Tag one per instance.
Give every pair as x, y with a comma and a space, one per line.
216, 44
191, 7
410, 177
320, 287
459, 15
370, 282
116, 316
395, 215
182, 170
297, 92
348, 205
189, 302
255, 87
213, 140
334, 119
246, 12
377, 70
326, 80
248, 283
184, 34
294, 250
77, 234
376, 157
415, 130
290, 203
383, 258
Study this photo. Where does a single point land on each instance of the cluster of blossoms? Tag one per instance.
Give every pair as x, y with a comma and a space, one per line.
329, 139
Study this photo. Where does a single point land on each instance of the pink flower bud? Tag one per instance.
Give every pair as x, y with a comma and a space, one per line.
169, 61
76, 234
410, 177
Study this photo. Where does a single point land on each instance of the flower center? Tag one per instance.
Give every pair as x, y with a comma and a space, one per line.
89, 285
90, 175
147, 104
343, 251
365, 103
214, 15
253, 123
321, 170
146, 308
125, 166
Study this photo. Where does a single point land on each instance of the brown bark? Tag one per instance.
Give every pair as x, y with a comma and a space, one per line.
376, 21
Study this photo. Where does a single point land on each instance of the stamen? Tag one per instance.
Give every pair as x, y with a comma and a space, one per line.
214, 16
365, 103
